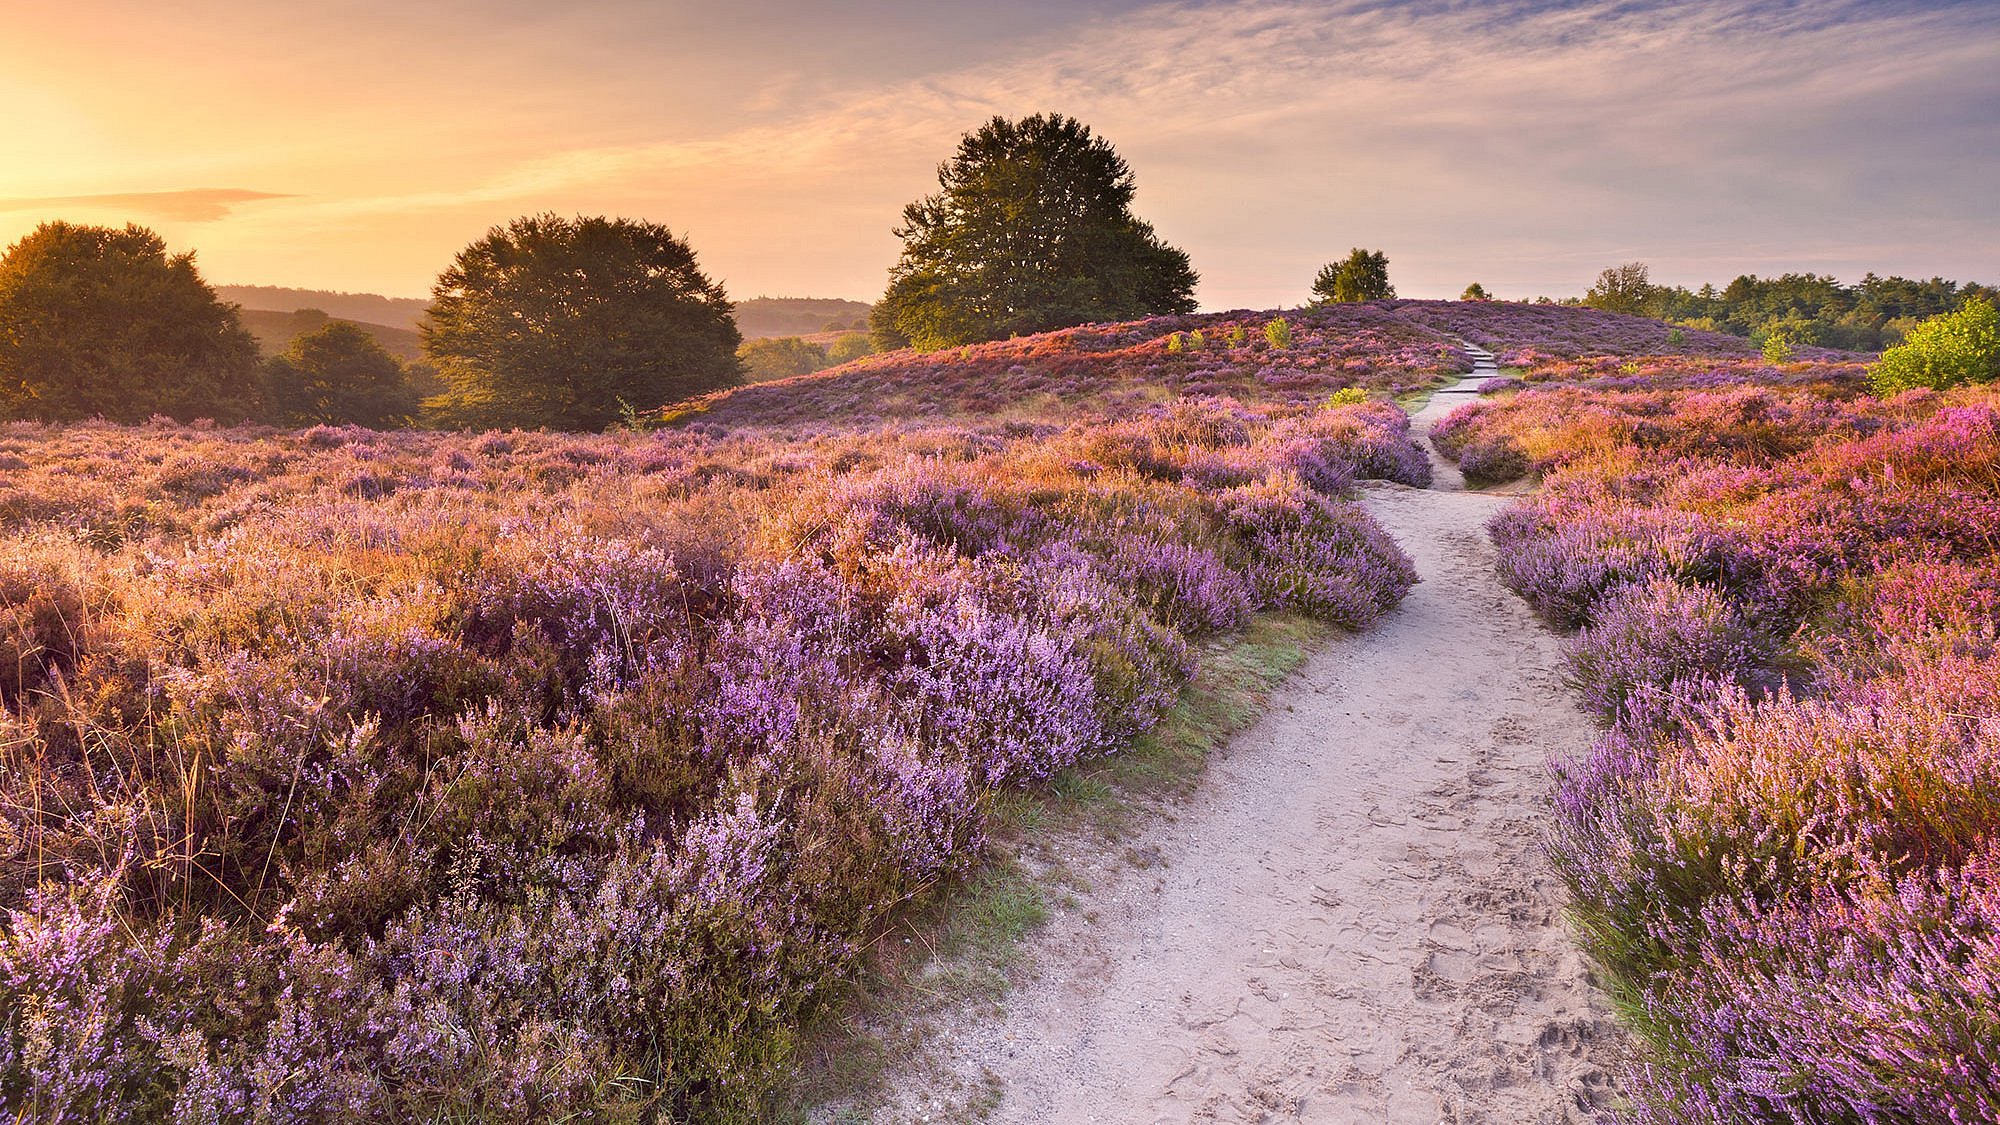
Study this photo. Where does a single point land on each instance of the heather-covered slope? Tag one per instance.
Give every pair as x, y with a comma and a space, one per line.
1106, 369
1786, 597
352, 777
1519, 332
1119, 369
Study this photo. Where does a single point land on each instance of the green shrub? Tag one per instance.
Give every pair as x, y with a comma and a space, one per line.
1944, 351
1279, 332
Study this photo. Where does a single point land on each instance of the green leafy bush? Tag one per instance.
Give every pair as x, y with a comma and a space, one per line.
1944, 351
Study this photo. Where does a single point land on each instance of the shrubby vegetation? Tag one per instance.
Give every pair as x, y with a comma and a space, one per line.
1786, 596
1032, 229
353, 776
781, 357
1945, 351
103, 322
848, 347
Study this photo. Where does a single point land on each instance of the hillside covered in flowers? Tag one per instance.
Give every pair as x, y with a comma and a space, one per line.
358, 776
1784, 593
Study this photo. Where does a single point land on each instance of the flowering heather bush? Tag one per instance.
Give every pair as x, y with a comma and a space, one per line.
1661, 635
1782, 848
1656, 418
355, 777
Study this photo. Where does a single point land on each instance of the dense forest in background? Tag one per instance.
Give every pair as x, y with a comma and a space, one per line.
1812, 310
761, 318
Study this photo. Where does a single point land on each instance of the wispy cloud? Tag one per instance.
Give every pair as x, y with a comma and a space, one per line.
201, 205
1519, 142
1524, 143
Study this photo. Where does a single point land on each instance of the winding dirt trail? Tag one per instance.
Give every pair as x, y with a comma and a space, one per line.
1350, 921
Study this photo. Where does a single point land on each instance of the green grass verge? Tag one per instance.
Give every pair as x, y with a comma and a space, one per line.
955, 950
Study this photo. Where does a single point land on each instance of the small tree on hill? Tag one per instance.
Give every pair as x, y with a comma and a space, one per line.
1032, 229
96, 321
1944, 351
338, 374
1362, 276
1623, 289
568, 323
1475, 292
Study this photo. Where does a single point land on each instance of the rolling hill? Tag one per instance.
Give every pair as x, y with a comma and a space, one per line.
363, 308
1387, 346
275, 330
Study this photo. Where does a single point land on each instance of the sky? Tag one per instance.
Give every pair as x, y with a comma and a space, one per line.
1525, 144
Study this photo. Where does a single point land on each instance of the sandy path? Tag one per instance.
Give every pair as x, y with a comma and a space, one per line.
1350, 920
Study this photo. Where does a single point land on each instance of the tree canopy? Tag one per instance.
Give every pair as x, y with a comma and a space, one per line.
848, 348
338, 373
1032, 229
1475, 292
1362, 276
570, 323
1626, 288
98, 321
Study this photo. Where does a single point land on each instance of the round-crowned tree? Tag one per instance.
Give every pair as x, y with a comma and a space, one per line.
335, 374
1032, 229
571, 323
102, 322
1362, 276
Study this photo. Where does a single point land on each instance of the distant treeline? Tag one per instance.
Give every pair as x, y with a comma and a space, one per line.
757, 318
762, 317
1802, 308
368, 308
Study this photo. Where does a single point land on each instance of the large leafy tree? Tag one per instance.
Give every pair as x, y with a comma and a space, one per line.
1362, 276
1032, 229
102, 322
570, 323
338, 373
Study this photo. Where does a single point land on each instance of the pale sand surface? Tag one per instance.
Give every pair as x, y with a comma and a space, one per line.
1349, 921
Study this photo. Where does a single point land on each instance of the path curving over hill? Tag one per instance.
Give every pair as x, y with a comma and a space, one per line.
1351, 920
